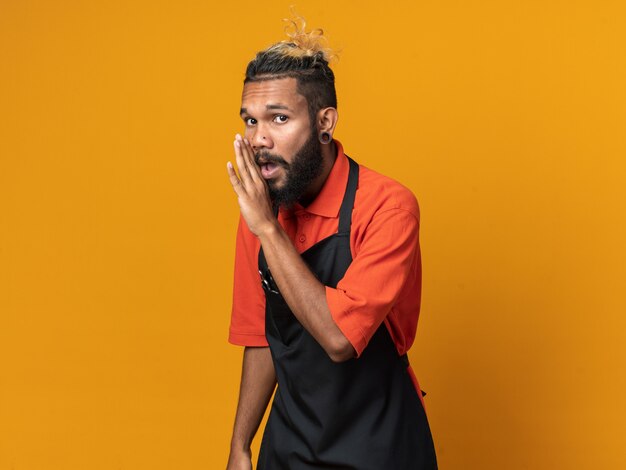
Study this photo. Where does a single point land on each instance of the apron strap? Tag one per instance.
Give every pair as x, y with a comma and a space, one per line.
405, 359
345, 213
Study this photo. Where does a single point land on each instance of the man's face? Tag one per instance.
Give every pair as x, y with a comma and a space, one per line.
285, 143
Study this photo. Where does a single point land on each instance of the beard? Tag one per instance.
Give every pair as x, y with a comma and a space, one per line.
307, 165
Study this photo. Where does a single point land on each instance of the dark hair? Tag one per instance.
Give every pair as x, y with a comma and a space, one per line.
306, 61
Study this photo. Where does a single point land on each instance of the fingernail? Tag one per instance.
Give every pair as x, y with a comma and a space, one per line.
246, 141
237, 136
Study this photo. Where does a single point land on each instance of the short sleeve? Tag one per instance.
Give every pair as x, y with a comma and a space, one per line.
387, 257
247, 323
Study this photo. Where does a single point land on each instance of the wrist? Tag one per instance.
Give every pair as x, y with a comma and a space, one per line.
269, 230
240, 448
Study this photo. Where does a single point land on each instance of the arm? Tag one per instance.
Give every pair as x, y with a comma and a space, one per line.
258, 380
304, 294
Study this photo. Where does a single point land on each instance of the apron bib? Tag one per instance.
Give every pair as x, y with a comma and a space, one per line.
361, 414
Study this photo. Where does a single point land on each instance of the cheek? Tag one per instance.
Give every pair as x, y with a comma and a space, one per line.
291, 140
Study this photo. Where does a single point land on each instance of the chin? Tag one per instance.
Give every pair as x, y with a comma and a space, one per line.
275, 184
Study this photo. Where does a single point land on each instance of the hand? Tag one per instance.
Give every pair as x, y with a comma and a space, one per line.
239, 461
251, 189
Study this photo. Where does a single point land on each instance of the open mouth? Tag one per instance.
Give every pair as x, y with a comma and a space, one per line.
269, 169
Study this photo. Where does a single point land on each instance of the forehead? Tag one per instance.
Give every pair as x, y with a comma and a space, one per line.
282, 91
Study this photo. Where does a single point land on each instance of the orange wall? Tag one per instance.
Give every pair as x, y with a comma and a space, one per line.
117, 221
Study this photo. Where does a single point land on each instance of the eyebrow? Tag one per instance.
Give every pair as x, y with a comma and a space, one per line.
268, 107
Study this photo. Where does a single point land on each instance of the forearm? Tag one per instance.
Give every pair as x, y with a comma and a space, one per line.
303, 292
258, 380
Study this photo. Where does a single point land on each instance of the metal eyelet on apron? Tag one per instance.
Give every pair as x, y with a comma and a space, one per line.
267, 281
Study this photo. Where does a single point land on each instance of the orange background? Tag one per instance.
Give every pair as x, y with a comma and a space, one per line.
117, 221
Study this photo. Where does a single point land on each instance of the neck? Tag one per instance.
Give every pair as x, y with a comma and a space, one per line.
329, 155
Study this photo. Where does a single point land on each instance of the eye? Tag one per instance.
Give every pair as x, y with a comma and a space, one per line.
281, 118
249, 121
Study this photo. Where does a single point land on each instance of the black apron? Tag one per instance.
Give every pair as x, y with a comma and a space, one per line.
361, 414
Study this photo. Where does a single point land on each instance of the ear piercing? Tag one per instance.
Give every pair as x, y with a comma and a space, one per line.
325, 137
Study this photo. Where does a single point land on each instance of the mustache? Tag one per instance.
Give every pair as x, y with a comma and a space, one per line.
270, 158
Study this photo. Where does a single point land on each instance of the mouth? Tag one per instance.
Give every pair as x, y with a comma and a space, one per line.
268, 169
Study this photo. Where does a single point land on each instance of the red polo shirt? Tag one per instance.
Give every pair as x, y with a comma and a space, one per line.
383, 282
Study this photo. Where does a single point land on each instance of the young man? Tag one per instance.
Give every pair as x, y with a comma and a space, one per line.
327, 283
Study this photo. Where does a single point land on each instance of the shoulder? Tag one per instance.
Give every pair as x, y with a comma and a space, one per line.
385, 213
378, 193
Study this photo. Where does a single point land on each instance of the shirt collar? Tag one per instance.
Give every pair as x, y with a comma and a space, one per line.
328, 201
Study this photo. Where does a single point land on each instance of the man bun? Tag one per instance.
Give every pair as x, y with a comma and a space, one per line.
305, 57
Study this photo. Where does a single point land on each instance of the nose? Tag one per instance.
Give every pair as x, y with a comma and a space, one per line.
260, 138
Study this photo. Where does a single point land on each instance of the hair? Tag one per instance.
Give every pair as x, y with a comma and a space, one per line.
305, 57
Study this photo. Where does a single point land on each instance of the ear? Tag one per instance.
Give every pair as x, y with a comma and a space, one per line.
326, 120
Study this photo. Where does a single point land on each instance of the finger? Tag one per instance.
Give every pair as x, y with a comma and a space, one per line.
245, 160
244, 174
253, 171
247, 154
253, 168
234, 180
